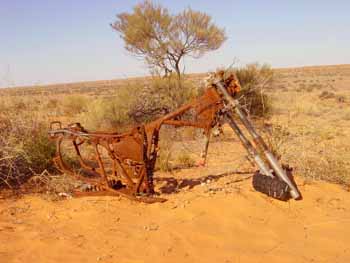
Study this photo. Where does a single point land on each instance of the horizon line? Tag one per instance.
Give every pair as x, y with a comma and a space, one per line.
47, 85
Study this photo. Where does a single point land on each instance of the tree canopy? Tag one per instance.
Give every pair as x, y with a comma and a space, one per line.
163, 39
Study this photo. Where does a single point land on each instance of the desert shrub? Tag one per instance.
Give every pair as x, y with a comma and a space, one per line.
137, 104
327, 95
18, 104
111, 113
21, 105
10, 104
310, 88
184, 160
38, 149
165, 151
161, 96
255, 79
25, 150
341, 98
51, 103
163, 161
321, 160
103, 114
331, 168
276, 138
73, 104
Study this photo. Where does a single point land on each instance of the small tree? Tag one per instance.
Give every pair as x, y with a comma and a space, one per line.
163, 40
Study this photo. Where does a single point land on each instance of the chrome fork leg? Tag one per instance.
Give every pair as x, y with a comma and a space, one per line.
249, 147
234, 103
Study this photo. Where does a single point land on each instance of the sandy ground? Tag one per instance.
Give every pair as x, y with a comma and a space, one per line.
212, 215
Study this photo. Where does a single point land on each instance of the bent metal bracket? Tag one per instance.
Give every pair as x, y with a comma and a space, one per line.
133, 154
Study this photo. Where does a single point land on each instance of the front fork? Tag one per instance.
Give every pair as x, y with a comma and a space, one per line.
272, 163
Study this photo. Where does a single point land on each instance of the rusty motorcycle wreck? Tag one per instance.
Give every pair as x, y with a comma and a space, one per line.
133, 154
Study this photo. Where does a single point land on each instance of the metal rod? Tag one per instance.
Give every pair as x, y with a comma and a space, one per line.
249, 147
258, 140
204, 153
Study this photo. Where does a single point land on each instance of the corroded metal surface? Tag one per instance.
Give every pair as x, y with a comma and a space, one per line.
132, 155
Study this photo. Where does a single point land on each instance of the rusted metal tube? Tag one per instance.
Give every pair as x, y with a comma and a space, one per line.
258, 140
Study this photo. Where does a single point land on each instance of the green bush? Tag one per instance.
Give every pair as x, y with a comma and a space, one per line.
111, 113
161, 96
39, 150
137, 104
255, 79
25, 150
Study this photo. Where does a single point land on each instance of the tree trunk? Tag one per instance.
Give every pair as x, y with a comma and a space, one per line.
177, 69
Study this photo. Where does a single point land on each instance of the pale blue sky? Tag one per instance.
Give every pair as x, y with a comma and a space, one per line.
46, 41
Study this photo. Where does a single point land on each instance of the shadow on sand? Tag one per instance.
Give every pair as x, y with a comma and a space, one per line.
173, 185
